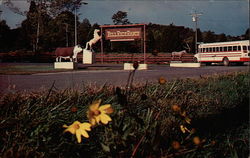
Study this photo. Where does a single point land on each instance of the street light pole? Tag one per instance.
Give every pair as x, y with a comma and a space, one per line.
195, 16
75, 28
85, 3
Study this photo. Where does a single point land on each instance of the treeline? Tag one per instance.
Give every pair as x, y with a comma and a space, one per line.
41, 32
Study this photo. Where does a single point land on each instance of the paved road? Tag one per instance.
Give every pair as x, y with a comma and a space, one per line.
116, 76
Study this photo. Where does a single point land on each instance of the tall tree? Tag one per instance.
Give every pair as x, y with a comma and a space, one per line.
84, 31
199, 35
209, 37
29, 27
120, 18
61, 31
246, 36
52, 7
35, 26
222, 38
4, 36
58, 6
39, 15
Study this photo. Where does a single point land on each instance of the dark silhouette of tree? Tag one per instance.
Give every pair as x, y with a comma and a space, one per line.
150, 39
35, 26
209, 37
84, 32
246, 36
120, 18
58, 6
62, 30
199, 36
222, 38
29, 27
52, 7
4, 36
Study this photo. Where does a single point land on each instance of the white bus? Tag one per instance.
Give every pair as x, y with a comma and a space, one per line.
225, 52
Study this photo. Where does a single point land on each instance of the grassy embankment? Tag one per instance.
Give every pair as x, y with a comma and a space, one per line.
206, 117
27, 69
34, 68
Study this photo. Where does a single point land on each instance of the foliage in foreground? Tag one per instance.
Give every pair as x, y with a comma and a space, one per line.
207, 117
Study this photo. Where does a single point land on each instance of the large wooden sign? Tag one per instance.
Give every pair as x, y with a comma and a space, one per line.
130, 32
123, 34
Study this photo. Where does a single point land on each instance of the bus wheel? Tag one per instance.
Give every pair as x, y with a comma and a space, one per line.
208, 64
195, 60
226, 61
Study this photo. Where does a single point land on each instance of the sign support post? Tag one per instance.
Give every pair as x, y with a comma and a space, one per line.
102, 44
144, 42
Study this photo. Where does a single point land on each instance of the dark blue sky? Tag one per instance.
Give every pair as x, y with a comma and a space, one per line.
221, 16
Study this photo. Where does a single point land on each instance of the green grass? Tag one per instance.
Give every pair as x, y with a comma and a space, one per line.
33, 69
28, 69
143, 124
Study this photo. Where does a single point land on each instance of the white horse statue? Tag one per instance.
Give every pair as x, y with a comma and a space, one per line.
179, 54
96, 38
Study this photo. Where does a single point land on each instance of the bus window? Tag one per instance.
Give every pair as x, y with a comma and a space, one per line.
244, 47
230, 48
206, 49
213, 49
221, 49
248, 47
217, 49
210, 49
234, 48
225, 49
239, 48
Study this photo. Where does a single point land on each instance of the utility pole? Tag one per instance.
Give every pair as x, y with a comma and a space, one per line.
75, 28
85, 3
195, 17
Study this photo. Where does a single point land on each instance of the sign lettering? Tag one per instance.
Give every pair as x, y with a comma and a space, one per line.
123, 34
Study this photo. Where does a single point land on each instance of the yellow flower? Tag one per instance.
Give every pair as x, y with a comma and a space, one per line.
97, 113
188, 120
184, 129
184, 114
78, 129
